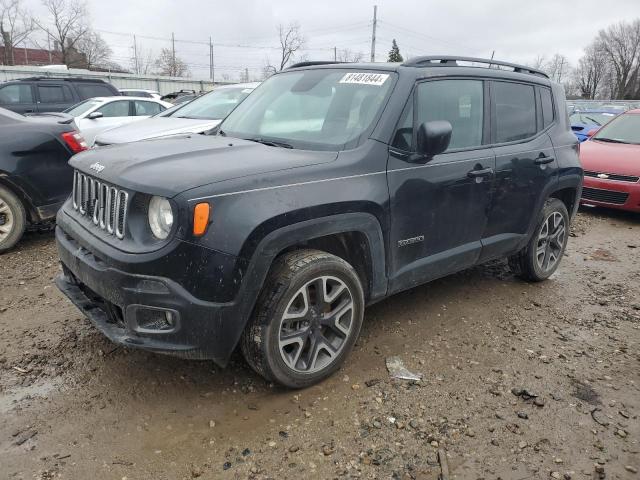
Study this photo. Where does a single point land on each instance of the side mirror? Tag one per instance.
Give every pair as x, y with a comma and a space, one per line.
433, 137
95, 115
592, 132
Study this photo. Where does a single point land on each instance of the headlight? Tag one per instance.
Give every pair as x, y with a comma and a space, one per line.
160, 217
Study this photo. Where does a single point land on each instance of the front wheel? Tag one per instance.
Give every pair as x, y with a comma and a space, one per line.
306, 320
541, 257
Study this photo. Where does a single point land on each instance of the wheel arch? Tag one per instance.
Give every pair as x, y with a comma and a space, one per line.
5, 181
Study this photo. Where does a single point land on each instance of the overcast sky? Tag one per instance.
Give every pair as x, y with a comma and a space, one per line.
244, 31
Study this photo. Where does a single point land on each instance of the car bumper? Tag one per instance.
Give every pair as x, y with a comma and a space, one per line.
611, 194
147, 312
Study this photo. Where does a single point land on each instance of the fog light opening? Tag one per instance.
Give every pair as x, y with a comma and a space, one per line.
155, 320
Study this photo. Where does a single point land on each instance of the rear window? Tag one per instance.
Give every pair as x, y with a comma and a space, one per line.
547, 107
90, 90
515, 112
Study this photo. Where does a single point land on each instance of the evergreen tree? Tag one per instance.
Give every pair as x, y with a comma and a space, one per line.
394, 53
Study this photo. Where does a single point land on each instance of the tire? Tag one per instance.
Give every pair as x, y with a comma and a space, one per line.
279, 340
547, 243
13, 219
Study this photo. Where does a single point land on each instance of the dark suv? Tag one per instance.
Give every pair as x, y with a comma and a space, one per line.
329, 188
51, 94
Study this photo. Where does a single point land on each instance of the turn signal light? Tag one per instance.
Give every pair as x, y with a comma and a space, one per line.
201, 218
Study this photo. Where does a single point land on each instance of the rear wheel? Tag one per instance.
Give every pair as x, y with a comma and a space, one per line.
306, 320
12, 219
541, 257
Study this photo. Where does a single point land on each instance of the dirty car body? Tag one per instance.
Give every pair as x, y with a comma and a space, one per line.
344, 174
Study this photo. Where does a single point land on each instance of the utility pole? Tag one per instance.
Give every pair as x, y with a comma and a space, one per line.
211, 71
335, 54
49, 46
560, 70
246, 74
173, 53
135, 55
373, 33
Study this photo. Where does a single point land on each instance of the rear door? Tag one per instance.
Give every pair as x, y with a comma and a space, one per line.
439, 208
53, 97
525, 164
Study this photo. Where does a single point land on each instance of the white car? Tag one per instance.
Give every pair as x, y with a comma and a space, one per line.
140, 92
196, 116
96, 115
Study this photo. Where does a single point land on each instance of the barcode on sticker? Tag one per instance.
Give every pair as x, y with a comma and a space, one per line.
376, 79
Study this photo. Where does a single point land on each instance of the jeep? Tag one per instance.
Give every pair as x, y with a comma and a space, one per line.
331, 187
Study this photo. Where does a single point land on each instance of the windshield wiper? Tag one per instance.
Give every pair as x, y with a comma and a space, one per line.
593, 120
271, 143
610, 140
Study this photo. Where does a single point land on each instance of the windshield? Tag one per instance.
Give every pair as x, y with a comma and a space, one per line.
82, 107
214, 105
323, 109
592, 118
624, 129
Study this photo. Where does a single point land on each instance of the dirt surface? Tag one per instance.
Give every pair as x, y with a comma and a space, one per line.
519, 381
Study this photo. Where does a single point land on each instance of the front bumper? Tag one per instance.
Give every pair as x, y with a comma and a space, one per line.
611, 194
120, 305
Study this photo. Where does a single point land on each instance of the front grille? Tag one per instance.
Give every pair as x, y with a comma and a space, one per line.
106, 205
612, 176
605, 196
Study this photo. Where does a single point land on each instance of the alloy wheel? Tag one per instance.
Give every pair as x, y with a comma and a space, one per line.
316, 324
551, 241
6, 220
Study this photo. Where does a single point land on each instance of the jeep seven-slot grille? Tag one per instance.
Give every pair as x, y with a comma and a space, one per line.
612, 176
104, 204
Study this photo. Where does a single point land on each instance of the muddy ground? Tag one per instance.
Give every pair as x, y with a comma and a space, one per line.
519, 381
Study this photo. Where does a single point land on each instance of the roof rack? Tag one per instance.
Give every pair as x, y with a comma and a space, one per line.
451, 61
313, 63
71, 79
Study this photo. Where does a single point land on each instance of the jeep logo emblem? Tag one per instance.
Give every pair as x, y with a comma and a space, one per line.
97, 167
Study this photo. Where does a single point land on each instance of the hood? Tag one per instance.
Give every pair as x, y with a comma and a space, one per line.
168, 167
620, 158
154, 127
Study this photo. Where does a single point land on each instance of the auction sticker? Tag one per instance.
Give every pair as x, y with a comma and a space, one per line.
375, 79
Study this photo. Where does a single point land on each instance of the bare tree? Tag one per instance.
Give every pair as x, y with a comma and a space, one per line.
96, 51
539, 62
170, 65
291, 40
558, 68
144, 63
16, 25
69, 20
591, 71
621, 43
346, 55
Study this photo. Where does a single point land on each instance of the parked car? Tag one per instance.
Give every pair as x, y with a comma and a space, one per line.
173, 96
329, 188
140, 93
185, 98
197, 116
99, 114
35, 178
584, 121
611, 161
51, 94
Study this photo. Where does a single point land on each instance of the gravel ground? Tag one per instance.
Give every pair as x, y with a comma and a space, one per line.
518, 381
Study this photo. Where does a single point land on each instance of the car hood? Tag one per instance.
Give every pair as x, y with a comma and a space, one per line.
168, 167
154, 127
623, 159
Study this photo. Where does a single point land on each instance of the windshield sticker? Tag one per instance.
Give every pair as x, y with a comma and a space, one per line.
247, 90
376, 79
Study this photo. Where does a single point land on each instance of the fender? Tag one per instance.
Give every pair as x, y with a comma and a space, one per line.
278, 240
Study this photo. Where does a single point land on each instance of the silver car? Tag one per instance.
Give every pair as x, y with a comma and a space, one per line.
196, 116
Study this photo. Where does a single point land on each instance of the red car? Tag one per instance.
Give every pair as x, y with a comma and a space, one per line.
611, 162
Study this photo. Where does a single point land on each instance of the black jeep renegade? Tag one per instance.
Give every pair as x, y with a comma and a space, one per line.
331, 187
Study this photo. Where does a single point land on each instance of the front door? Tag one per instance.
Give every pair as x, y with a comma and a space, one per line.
439, 208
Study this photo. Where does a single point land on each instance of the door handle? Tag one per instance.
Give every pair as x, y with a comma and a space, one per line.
485, 172
544, 160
